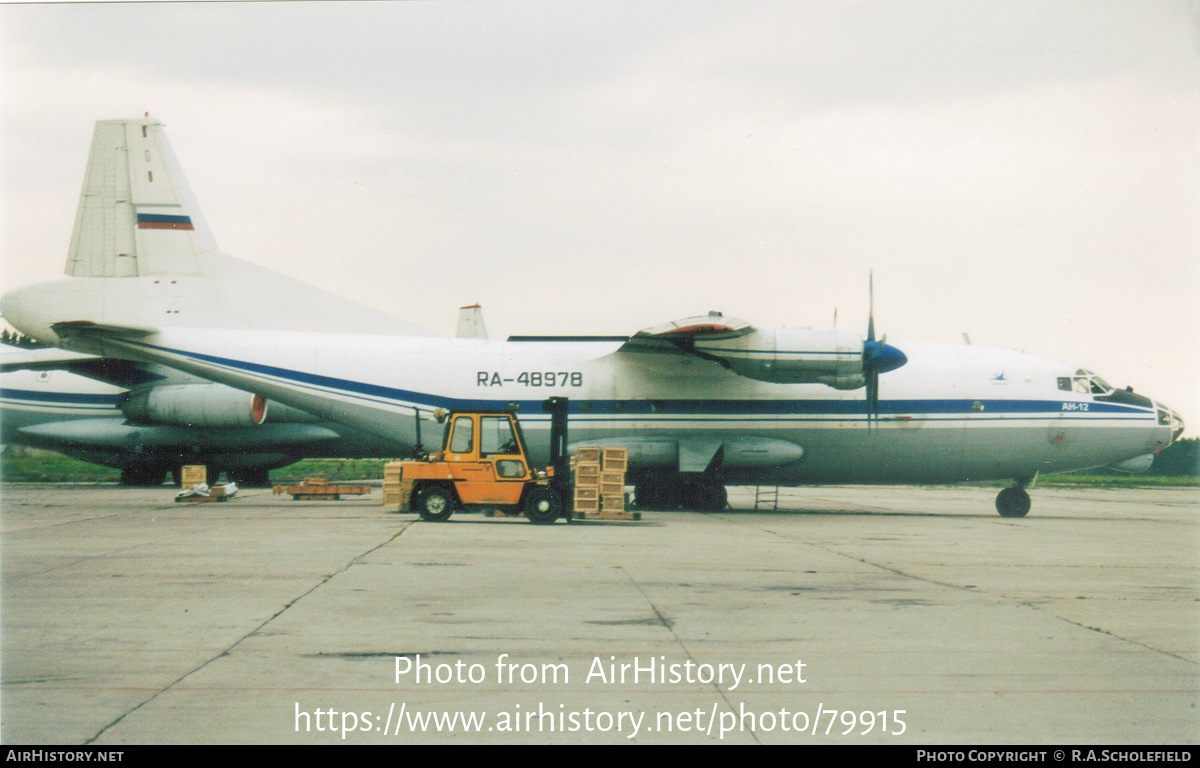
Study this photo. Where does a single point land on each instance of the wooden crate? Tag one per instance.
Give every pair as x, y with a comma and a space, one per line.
193, 475
588, 455
586, 505
616, 459
396, 495
586, 493
393, 470
610, 502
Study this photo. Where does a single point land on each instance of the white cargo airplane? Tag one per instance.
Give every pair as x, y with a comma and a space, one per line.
700, 403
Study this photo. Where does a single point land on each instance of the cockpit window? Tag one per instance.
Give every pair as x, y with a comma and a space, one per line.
1085, 382
1064, 383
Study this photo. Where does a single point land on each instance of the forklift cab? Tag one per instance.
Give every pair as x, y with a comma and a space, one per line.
484, 462
485, 453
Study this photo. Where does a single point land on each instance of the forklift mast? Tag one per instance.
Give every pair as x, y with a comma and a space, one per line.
557, 408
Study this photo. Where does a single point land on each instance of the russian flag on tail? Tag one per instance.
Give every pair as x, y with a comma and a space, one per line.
163, 221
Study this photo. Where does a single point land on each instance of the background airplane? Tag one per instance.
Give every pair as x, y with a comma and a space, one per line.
150, 430
148, 421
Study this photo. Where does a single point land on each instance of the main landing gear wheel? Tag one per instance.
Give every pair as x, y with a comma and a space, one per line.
435, 505
1013, 502
663, 494
542, 506
706, 496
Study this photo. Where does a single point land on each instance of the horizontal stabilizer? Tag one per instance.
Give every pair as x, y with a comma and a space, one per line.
86, 328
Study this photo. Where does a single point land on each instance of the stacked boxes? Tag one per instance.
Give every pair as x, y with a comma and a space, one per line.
587, 480
600, 483
612, 479
395, 492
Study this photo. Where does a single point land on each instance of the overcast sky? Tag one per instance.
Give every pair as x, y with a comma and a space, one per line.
1025, 172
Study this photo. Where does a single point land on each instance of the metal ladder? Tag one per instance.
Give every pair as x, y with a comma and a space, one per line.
766, 495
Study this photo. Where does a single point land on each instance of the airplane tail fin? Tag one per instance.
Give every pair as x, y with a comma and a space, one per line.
137, 217
137, 223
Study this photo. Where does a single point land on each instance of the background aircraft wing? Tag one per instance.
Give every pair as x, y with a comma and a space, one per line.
40, 359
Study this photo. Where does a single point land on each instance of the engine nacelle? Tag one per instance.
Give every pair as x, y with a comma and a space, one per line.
792, 356
196, 405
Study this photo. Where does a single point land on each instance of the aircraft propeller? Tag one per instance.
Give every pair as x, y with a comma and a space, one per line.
878, 357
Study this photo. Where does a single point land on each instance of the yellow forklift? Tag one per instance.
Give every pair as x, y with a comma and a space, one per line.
484, 464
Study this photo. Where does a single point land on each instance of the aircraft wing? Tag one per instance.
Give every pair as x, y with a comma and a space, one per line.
683, 335
40, 359
780, 355
109, 370
78, 335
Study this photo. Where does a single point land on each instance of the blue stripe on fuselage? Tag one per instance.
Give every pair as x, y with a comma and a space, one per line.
667, 406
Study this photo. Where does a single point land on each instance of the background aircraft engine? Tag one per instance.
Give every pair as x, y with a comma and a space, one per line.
793, 356
196, 405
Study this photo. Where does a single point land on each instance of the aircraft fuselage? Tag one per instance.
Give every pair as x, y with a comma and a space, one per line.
954, 413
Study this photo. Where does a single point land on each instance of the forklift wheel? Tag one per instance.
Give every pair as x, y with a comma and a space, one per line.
542, 506
435, 505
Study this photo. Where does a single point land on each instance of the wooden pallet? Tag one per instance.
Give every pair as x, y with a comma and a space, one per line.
317, 489
607, 515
